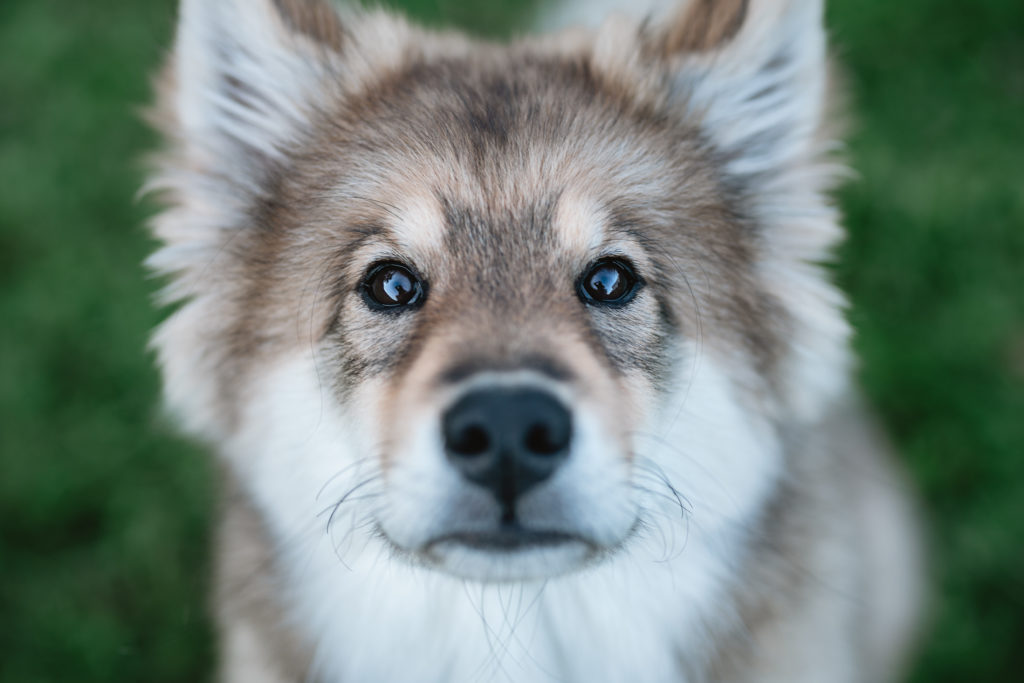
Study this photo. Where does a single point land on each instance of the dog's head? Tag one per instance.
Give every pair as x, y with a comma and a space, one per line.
507, 307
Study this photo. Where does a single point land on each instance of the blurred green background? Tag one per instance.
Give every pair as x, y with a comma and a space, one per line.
104, 511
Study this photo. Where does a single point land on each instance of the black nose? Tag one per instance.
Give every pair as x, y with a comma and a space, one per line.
507, 440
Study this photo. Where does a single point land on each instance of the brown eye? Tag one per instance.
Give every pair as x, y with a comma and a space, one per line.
391, 286
609, 281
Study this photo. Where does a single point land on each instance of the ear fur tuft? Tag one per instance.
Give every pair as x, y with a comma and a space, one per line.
760, 89
704, 25
315, 19
247, 73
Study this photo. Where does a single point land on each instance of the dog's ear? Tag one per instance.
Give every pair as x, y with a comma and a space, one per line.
702, 25
243, 90
753, 73
246, 76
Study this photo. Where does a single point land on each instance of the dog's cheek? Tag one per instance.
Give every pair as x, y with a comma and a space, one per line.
362, 346
636, 341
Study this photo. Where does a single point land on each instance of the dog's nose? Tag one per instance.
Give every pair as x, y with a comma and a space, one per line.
507, 440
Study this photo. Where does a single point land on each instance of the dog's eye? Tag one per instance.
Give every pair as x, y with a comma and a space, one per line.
609, 281
391, 286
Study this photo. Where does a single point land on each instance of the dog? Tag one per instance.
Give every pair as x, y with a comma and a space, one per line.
519, 359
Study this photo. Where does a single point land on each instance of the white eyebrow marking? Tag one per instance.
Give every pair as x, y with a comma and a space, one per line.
418, 226
580, 222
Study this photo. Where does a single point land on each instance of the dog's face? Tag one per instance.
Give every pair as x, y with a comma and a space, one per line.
506, 309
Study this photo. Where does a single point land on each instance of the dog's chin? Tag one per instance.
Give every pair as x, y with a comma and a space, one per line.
509, 554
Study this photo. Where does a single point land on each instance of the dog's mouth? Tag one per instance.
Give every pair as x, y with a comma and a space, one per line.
507, 538
511, 552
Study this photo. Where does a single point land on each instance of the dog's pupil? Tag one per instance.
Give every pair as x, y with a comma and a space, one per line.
607, 282
393, 286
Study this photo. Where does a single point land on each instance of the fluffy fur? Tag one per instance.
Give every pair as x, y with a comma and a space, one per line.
733, 513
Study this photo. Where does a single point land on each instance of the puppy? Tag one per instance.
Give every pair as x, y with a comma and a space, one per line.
518, 357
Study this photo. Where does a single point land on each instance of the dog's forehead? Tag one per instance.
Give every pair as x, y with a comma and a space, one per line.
548, 230
460, 155
462, 136
541, 238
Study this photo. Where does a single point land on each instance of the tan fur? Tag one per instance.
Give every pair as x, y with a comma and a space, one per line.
318, 21
705, 25
257, 642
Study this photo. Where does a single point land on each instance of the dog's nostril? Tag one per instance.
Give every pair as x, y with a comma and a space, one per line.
541, 441
471, 441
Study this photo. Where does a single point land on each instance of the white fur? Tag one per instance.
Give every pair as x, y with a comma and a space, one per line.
244, 40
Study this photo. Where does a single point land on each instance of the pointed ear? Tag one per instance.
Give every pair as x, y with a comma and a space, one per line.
753, 72
246, 75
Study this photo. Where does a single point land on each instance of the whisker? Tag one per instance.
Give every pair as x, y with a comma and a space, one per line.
340, 472
348, 494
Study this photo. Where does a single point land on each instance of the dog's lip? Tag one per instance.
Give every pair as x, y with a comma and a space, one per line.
506, 538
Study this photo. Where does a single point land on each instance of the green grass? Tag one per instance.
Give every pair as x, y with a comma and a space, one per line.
104, 512
935, 267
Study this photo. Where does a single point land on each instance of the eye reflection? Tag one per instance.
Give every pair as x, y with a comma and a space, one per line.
391, 285
609, 281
